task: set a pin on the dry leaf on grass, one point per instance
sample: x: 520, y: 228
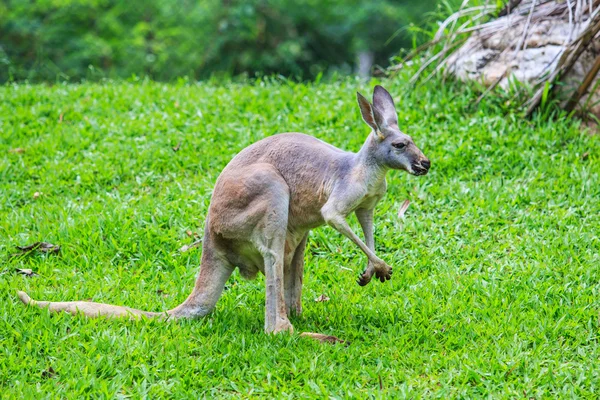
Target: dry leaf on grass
x: 18, y: 150
x: 39, y: 246
x: 191, y: 233
x: 49, y: 373
x: 176, y: 148
x: 26, y: 272
x: 44, y: 247
x: 322, y: 298
x: 324, y: 338
x: 403, y: 208
x: 185, y: 248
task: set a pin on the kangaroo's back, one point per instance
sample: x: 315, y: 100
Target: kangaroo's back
x: 289, y: 153
x: 309, y: 166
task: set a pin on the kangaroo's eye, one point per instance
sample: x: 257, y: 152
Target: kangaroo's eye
x: 399, y: 145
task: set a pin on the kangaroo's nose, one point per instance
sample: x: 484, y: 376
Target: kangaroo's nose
x: 426, y: 164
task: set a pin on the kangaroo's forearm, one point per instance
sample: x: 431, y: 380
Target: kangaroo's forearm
x: 365, y: 218
x: 341, y: 225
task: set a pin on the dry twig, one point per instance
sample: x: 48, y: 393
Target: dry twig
x: 587, y: 81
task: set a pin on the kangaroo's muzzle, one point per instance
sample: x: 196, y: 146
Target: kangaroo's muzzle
x: 421, y: 167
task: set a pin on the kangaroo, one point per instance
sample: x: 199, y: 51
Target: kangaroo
x: 266, y: 201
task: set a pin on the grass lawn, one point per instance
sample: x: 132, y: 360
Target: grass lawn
x: 496, y: 264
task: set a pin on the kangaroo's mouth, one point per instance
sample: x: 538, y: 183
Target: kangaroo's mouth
x: 420, y: 168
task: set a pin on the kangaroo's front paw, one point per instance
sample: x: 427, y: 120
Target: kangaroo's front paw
x: 383, y: 272
x: 384, y: 275
x: 365, y: 277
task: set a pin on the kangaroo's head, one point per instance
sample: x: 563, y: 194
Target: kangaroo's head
x: 390, y: 148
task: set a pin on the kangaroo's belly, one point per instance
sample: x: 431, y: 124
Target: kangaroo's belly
x: 247, y: 257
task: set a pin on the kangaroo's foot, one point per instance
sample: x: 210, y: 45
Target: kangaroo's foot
x: 281, y: 325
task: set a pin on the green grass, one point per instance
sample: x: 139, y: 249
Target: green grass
x: 497, y: 266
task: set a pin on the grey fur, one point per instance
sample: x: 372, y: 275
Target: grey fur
x: 266, y: 201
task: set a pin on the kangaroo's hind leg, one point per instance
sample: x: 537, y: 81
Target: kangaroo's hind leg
x: 214, y: 272
x: 294, y: 274
x: 250, y: 206
x: 269, y: 238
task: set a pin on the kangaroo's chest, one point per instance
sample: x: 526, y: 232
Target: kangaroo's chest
x: 372, y: 195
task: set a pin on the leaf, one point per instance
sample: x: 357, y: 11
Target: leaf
x: 176, y: 148
x: 18, y: 150
x: 324, y: 338
x: 185, y: 248
x: 26, y: 271
x: 191, y: 233
x: 44, y: 247
x: 403, y: 208
x: 545, y: 93
x: 322, y: 298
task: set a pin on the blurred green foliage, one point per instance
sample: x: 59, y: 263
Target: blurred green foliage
x: 162, y: 39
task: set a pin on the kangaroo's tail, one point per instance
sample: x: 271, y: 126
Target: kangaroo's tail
x: 89, y: 308
x: 214, y: 272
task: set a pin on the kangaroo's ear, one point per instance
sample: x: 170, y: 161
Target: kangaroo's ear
x: 366, y: 111
x: 384, y: 110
